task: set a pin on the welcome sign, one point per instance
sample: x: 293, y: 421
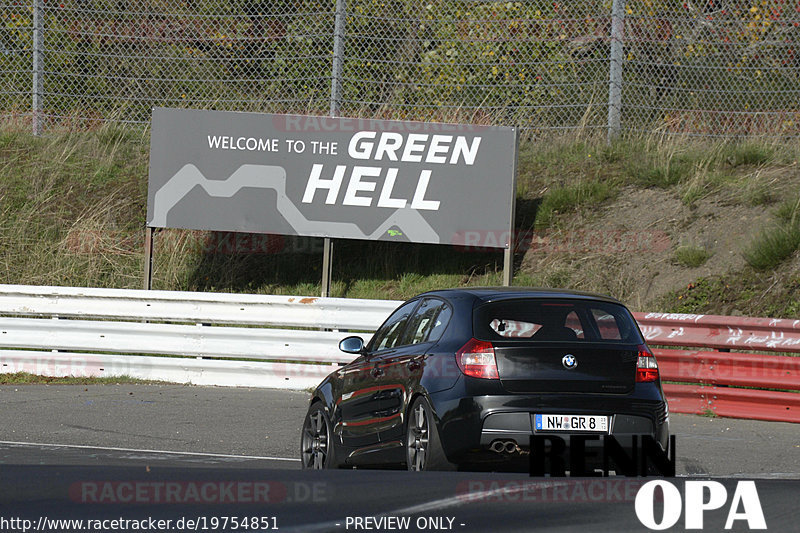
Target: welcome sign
x: 330, y: 177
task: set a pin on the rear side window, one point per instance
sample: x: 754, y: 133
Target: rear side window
x: 429, y: 322
x: 554, y: 320
x: 391, y: 333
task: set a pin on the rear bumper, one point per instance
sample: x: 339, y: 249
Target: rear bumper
x: 519, y: 426
x: 469, y: 424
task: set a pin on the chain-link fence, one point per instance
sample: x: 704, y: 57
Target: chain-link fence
x: 711, y: 67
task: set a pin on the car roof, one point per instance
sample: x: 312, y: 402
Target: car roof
x: 491, y: 294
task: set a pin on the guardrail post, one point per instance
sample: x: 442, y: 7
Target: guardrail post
x: 38, y: 66
x: 615, y: 69
x: 148, y: 258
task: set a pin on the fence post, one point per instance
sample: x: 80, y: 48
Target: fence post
x: 38, y: 66
x: 336, y: 97
x: 615, y: 69
x: 338, y: 57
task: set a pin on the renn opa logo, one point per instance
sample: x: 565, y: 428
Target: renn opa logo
x: 699, y: 497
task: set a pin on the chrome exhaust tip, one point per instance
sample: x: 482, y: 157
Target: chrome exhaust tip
x: 504, y: 446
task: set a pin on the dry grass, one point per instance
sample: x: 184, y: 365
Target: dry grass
x: 64, y: 196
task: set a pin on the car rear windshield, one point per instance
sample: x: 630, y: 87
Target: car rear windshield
x: 554, y: 320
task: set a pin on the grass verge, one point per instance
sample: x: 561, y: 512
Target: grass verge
x: 24, y: 378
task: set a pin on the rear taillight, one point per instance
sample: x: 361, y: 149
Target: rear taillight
x: 646, y: 366
x: 476, y: 359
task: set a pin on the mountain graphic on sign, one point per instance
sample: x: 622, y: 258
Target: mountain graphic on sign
x: 409, y: 221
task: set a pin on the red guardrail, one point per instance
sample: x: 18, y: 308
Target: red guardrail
x: 713, y: 378
x: 734, y: 403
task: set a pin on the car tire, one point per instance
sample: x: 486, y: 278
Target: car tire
x: 317, y: 451
x: 423, y: 446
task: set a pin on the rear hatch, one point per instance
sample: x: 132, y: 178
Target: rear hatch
x: 547, y: 367
x: 560, y: 345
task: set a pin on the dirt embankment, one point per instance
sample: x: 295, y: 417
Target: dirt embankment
x: 631, y: 247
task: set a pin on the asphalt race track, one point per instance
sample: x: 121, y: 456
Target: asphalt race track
x: 62, y: 446
x: 265, y: 424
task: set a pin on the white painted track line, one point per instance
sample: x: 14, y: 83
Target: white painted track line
x: 169, y: 452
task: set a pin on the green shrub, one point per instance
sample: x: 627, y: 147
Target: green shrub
x: 772, y: 246
x: 691, y: 256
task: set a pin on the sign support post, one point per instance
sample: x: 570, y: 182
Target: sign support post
x: 148, y: 257
x: 508, y: 263
x: 508, y: 253
x: 327, y: 266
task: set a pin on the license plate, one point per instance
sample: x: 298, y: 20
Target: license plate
x: 572, y: 423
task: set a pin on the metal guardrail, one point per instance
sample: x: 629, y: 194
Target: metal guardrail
x: 721, y: 332
x: 243, y: 309
x: 724, y: 382
x: 61, y: 331
x: 243, y: 340
x: 171, y: 339
x: 196, y: 371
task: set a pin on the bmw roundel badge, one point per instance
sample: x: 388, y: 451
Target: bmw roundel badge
x: 569, y: 361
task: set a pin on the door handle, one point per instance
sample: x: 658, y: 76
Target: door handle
x: 376, y: 372
x: 416, y: 362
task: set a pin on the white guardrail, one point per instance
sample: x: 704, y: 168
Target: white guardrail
x: 185, y: 337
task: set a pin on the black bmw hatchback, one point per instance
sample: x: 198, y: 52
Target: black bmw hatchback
x: 464, y: 377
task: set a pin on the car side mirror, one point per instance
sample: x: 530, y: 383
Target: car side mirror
x: 353, y: 345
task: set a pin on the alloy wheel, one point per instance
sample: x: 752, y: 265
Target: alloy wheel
x: 315, y: 440
x: 417, y: 439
